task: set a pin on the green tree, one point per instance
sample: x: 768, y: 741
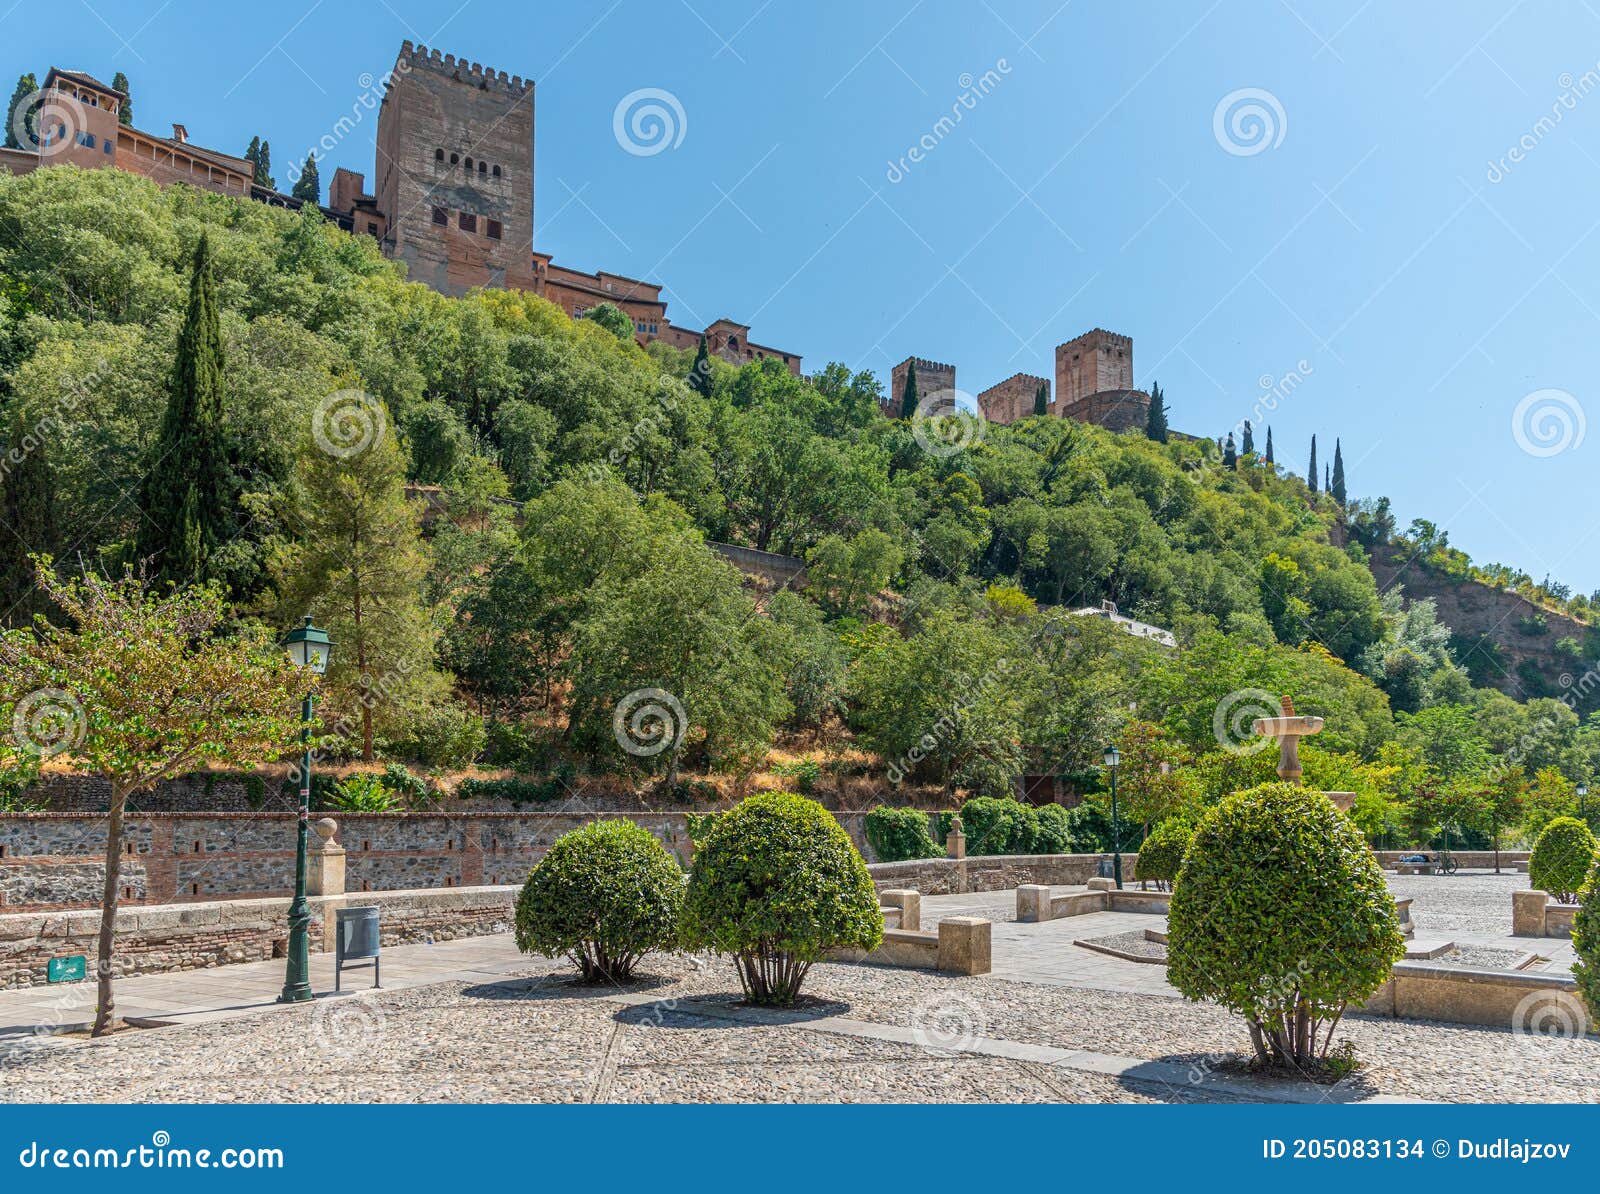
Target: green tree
x: 28, y: 514
x: 308, y: 187
x: 1041, y: 399
x: 26, y: 86
x: 1336, y: 486
x: 263, y: 163
x: 186, y: 498
x: 1155, y: 425
x: 613, y: 319
x: 850, y: 573
x: 125, y: 113
x: 1230, y: 455
x: 1311, y: 471
x: 253, y: 155
x: 1268, y: 457
x: 700, y: 379
x: 1248, y: 444
x: 908, y: 392
x: 138, y: 687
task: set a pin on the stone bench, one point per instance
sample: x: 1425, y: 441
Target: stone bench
x: 901, y: 909
x: 1035, y: 902
x: 1535, y: 914
x: 960, y: 945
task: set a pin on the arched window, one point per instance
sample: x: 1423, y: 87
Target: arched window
x: 455, y: 158
x: 482, y: 169
x: 733, y: 342
x: 497, y: 171
x: 469, y: 163
x: 438, y: 155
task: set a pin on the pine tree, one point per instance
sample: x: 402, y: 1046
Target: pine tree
x: 125, y: 113
x: 1327, y: 484
x: 186, y: 498
x: 1249, y: 443
x: 264, y: 168
x: 1311, y: 472
x: 1041, y: 399
x: 908, y: 395
x: 1155, y: 421
x: 28, y: 511
x: 1337, y: 486
x: 26, y: 86
x: 1230, y: 457
x: 308, y: 187
x: 700, y: 372
x: 1271, y: 463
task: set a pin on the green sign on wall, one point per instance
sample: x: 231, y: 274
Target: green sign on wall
x: 67, y: 970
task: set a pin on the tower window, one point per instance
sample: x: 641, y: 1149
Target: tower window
x: 467, y: 221
x: 469, y: 163
x: 492, y: 229
x: 497, y: 171
x: 482, y: 169
x: 438, y: 155
x: 455, y: 158
x: 440, y: 216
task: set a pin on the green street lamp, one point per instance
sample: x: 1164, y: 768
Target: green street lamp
x: 309, y: 648
x: 1113, y: 760
x: 1583, y: 803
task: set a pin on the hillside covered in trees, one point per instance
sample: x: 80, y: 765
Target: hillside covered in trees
x: 222, y: 392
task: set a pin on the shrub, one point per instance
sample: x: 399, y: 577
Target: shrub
x: 362, y: 792
x: 605, y: 895
x: 896, y: 834
x: 1052, y: 826
x: 518, y: 791
x: 997, y: 825
x: 1586, y: 942
x: 1280, y: 912
x: 1562, y: 859
x: 437, y: 735
x: 804, y: 772
x: 412, y: 789
x: 1162, y: 853
x: 776, y: 883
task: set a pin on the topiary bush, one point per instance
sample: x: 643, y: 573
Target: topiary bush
x: 1162, y: 853
x: 605, y: 895
x: 1562, y: 859
x: 1280, y: 912
x: 777, y: 883
x: 1052, y: 830
x: 1586, y: 942
x: 896, y: 834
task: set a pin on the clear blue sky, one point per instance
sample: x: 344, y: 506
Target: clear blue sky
x: 1426, y: 293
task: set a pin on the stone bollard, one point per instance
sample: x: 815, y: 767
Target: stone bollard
x: 1099, y: 884
x: 325, y: 861
x: 1527, y: 913
x: 910, y: 904
x: 1033, y: 903
x: 955, y: 842
x: 964, y: 945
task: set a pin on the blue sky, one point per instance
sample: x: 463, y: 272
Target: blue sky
x: 1378, y: 241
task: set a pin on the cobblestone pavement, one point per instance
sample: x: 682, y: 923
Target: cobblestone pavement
x: 1473, y: 902
x: 865, y: 1034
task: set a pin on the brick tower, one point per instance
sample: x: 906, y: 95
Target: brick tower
x: 455, y: 172
x: 932, y: 377
x: 1094, y: 381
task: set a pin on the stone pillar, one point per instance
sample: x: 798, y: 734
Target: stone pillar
x: 910, y: 904
x: 1033, y: 902
x: 1527, y: 913
x: 325, y: 861
x: 955, y: 842
x: 964, y: 945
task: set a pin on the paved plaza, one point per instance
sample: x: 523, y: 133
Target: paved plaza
x: 473, y: 1020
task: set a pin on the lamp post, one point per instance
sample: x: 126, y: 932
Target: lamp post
x: 309, y: 648
x: 1113, y: 760
x: 1583, y: 803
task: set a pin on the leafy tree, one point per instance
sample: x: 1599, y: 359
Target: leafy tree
x: 850, y: 573
x: 700, y: 379
x: 1563, y: 859
x: 1155, y: 425
x: 1311, y: 471
x: 1336, y: 485
x: 908, y: 393
x: 186, y: 497
x: 138, y: 687
x: 26, y: 86
x: 308, y: 187
x: 613, y: 319
x: 1153, y: 782
x: 125, y: 112
x: 1161, y: 853
x: 1041, y: 399
x: 28, y: 514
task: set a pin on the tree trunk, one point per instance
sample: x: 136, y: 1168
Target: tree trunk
x: 104, y: 1006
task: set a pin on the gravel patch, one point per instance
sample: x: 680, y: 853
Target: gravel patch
x: 1466, y: 902
x: 1135, y: 943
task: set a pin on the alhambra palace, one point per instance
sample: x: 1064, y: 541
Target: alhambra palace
x: 454, y: 200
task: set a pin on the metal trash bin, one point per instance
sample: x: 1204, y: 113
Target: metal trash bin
x: 358, y: 938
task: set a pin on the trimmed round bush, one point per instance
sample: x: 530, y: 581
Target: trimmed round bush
x: 1280, y: 913
x: 1562, y: 859
x: 1162, y: 853
x: 776, y: 884
x: 896, y: 834
x: 1586, y: 942
x: 605, y: 895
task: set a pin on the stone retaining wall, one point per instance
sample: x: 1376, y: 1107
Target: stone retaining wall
x: 1517, y: 1000
x: 1471, y: 859
x: 992, y: 872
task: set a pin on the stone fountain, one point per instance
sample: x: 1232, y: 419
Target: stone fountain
x: 1288, y: 729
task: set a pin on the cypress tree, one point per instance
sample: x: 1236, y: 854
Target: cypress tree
x: 1249, y: 444
x: 264, y: 168
x: 1155, y: 420
x: 308, y: 187
x: 1337, y: 486
x: 908, y: 395
x: 26, y: 86
x: 253, y: 155
x: 187, y: 490
x: 28, y: 509
x: 125, y: 113
x: 1041, y: 399
x: 1327, y: 485
x: 1230, y: 458
x: 1311, y: 472
x: 700, y: 372
x: 1270, y: 461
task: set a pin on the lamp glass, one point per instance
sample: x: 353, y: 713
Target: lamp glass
x: 1113, y: 756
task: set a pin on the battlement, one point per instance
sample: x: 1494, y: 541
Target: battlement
x: 925, y: 365
x: 460, y: 69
